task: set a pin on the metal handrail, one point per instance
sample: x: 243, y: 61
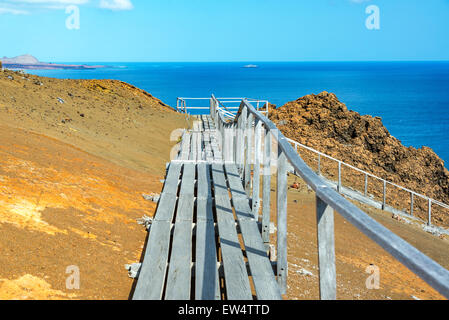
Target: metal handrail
x: 181, y: 104
x: 429, y: 200
x: 327, y: 200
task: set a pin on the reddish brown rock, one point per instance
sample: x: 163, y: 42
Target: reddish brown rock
x: 324, y: 123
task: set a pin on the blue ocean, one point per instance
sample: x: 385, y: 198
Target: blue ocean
x: 412, y: 98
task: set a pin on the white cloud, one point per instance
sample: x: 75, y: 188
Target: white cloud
x: 51, y: 1
x: 116, y: 4
x: 28, y: 6
x: 12, y: 11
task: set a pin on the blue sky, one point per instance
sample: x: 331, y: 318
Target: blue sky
x: 225, y: 30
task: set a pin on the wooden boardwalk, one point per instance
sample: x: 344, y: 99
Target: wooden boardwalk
x: 204, y: 243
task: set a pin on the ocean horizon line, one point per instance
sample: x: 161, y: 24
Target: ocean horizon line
x: 255, y: 61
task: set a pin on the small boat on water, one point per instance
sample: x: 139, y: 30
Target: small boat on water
x: 251, y: 66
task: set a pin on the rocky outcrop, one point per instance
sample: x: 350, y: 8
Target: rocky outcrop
x: 323, y: 122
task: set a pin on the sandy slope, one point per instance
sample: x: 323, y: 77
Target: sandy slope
x: 354, y: 254
x: 106, y: 118
x: 71, y: 191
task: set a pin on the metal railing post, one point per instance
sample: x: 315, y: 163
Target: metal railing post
x: 281, y: 195
x: 266, y: 187
x: 256, y: 171
x: 326, y: 250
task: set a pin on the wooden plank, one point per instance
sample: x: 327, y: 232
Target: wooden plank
x: 185, y: 146
x: 204, y: 183
x: 166, y: 207
x: 193, y: 146
x: 179, y: 270
x: 215, y: 147
x: 261, y: 271
x: 236, y: 276
x: 199, y: 147
x: 209, y: 156
x: 207, y: 285
x: 235, y: 183
x: 151, y: 279
x: 239, y: 197
x: 219, y: 181
x: 172, y: 178
x: 326, y: 250
x: 167, y: 202
x: 188, y: 180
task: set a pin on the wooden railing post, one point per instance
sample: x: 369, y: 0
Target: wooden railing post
x: 326, y: 250
x: 234, y: 141
x: 249, y: 152
x: 281, y: 207
x: 411, y: 203
x: 228, y: 146
x: 266, y: 187
x: 384, y: 198
x: 242, y: 139
x: 429, y: 212
x: 256, y: 174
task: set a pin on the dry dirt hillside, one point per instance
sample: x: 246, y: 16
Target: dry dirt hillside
x: 107, y: 118
x: 324, y: 123
x: 75, y: 158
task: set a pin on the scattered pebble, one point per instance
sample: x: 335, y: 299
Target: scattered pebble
x: 152, y: 197
x: 431, y: 229
x: 60, y: 100
x: 304, y: 272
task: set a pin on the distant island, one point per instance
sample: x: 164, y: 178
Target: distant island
x: 29, y: 62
